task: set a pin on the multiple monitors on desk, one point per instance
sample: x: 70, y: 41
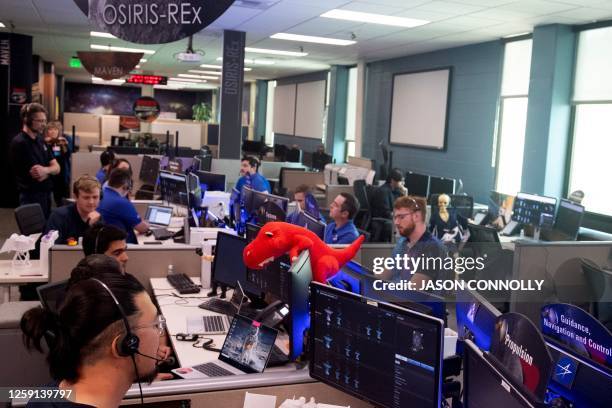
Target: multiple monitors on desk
x: 174, y: 188
x: 423, y: 185
x: 537, y: 211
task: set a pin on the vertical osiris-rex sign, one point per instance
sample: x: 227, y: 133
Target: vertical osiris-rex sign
x: 152, y: 22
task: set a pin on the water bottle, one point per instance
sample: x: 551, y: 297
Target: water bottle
x: 170, y: 269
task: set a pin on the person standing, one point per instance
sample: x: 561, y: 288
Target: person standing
x: 61, y: 151
x: 32, y: 160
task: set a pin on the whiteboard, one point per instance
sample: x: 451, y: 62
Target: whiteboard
x: 284, y: 109
x: 310, y: 108
x: 419, y: 109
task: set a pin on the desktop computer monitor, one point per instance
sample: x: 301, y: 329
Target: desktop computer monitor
x: 441, y: 185
x: 310, y: 223
x: 349, y: 277
x: 354, y: 340
x: 264, y: 207
x: 149, y: 170
x: 578, y: 380
x: 569, y: 219
x: 537, y: 211
x: 228, y: 266
x: 174, y: 188
x: 417, y: 184
x: 476, y: 318
x: 212, y: 181
x: 484, y: 385
x: 202, y: 162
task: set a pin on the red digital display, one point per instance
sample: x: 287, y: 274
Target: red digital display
x: 147, y: 79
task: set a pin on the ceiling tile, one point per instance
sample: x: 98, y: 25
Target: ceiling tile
x: 449, y: 7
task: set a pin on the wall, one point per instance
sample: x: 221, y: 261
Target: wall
x: 474, y: 95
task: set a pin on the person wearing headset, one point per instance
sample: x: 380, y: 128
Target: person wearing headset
x: 106, y: 240
x: 72, y: 220
x: 118, y: 211
x: 249, y: 176
x: 107, y: 158
x: 32, y: 160
x: 104, y: 337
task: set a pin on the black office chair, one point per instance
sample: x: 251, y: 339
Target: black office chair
x: 366, y: 234
x: 463, y: 204
x: 319, y: 160
x: 362, y: 218
x: 30, y: 219
x: 294, y: 156
x: 280, y: 152
x: 600, y: 284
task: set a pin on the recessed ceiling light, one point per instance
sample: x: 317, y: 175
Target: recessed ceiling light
x: 211, y: 66
x: 516, y: 35
x: 196, y: 71
x: 101, y: 34
x: 186, y: 80
x: 312, y: 39
x: 121, y: 49
x: 275, y: 52
x: 374, y: 18
x: 254, y: 61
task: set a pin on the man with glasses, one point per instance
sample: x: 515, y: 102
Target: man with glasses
x: 32, y: 160
x: 409, y: 213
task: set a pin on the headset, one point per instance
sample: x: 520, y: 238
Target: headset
x: 97, y: 251
x: 25, y: 114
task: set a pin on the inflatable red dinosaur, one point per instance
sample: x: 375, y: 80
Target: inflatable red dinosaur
x: 278, y: 238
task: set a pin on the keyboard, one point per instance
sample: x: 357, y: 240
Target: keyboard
x: 277, y: 357
x: 215, y: 324
x: 219, y: 306
x: 183, y: 284
x: 162, y: 234
x: 212, y: 370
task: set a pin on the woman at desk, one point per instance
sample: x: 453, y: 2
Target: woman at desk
x: 445, y: 224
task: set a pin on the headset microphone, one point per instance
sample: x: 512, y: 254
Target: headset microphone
x: 169, y: 360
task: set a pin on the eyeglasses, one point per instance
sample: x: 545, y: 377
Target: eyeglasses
x: 159, y: 324
x: 39, y: 120
x: 397, y: 217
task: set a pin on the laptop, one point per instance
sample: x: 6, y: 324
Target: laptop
x: 159, y: 217
x: 217, y: 324
x: 51, y: 295
x: 246, y: 350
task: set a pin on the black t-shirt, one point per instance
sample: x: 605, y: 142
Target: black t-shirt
x: 382, y: 201
x: 67, y: 221
x: 26, y: 152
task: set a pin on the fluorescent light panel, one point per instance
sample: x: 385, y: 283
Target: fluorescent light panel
x: 312, y: 39
x: 516, y: 35
x: 196, y: 71
x: 101, y: 34
x: 143, y: 60
x: 197, y: 76
x: 120, y: 49
x: 374, y: 18
x: 219, y: 66
x: 185, y: 80
x: 2, y: 25
x: 114, y: 81
x: 254, y: 61
x: 275, y: 52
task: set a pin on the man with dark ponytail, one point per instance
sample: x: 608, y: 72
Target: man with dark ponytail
x: 104, y: 338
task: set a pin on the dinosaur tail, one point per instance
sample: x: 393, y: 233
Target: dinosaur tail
x: 346, y: 254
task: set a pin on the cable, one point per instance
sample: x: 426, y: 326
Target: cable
x: 138, y: 380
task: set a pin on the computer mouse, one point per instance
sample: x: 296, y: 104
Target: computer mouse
x: 149, y: 233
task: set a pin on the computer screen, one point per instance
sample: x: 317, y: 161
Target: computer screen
x: 204, y: 162
x: 349, y: 277
x: 264, y: 207
x: 475, y: 318
x: 248, y: 345
x: 52, y: 295
x: 228, y: 266
x: 159, y: 215
x: 353, y: 341
x: 149, y: 170
x: 417, y: 184
x: 311, y: 224
x: 441, y: 185
x: 174, y: 188
x: 212, y: 181
x: 569, y: 218
x: 537, y: 211
x: 485, y: 386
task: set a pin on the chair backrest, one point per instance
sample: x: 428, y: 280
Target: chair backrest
x: 30, y: 219
x: 294, y: 155
x: 366, y: 234
x: 463, y: 204
x: 595, y: 277
x: 361, y: 194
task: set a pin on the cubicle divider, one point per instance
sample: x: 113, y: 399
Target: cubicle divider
x: 558, y: 264
x: 293, y: 178
x: 144, y: 262
x: 271, y: 169
x: 332, y: 190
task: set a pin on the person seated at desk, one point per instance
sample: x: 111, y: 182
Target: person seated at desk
x: 250, y: 177
x: 445, y: 224
x: 299, y: 196
x: 107, y: 158
x: 72, y: 221
x: 89, y: 351
x: 120, y: 164
x: 118, y: 211
x: 342, y: 210
x: 106, y: 240
x: 385, y: 195
x: 415, y: 242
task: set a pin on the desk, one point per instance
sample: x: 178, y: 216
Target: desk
x: 10, y: 275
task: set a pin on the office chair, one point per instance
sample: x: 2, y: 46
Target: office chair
x: 30, y: 219
x: 600, y: 283
x: 362, y: 218
x: 366, y: 234
x: 280, y: 151
x: 319, y: 160
x: 294, y: 156
x: 463, y: 205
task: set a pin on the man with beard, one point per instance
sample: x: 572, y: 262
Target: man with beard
x: 416, y: 242
x: 91, y: 352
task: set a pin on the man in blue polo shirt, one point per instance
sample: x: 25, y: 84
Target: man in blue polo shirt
x: 250, y: 177
x: 118, y: 211
x: 342, y: 210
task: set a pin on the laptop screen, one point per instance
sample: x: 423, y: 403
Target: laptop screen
x: 51, y: 295
x: 248, y: 345
x: 159, y: 215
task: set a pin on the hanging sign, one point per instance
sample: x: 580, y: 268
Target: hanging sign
x: 146, y: 109
x: 109, y: 64
x: 152, y: 22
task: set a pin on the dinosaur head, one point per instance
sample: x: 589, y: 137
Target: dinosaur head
x: 272, y: 241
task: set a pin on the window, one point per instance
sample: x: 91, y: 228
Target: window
x: 269, y: 139
x: 513, y: 116
x: 592, y: 143
x: 351, y: 112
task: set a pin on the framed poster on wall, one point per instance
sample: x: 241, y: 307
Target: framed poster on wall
x: 419, y: 108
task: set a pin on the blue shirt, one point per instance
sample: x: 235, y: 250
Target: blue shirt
x: 101, y: 175
x: 427, y: 246
x: 255, y: 181
x: 343, y: 235
x: 118, y: 211
x: 292, y: 217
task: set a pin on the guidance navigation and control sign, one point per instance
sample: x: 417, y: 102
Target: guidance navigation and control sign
x: 152, y: 22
